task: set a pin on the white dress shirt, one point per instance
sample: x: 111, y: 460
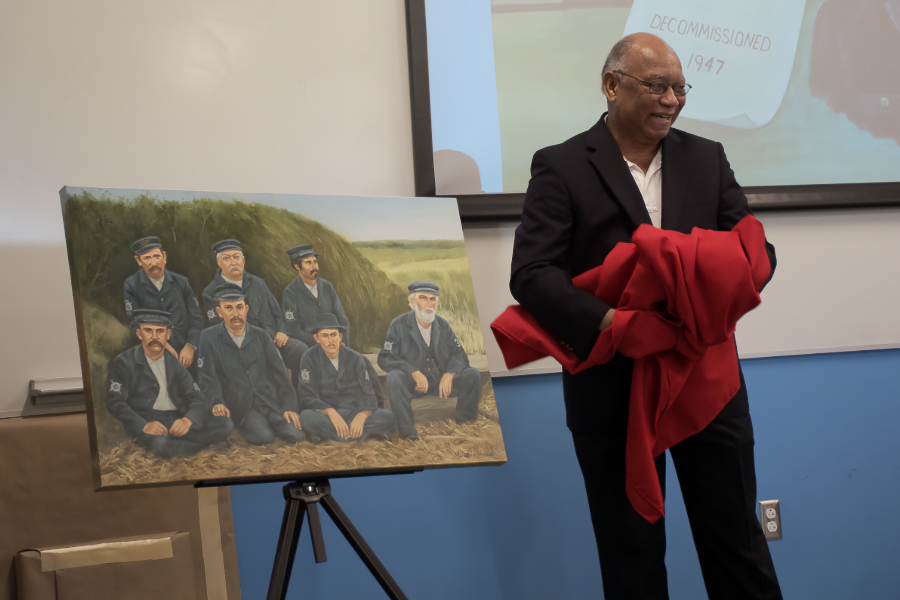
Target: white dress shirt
x: 650, y: 185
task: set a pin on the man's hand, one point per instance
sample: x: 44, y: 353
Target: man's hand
x: 421, y: 381
x: 172, y: 350
x: 446, y: 384
x: 155, y: 428
x: 220, y: 410
x: 181, y: 426
x: 187, y: 355
x: 607, y: 319
x: 281, y: 339
x: 340, y: 425
x: 292, y: 418
x: 356, y: 426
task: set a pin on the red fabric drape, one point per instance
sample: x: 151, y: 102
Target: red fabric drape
x: 678, y: 298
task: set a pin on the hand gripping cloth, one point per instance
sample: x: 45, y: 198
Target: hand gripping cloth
x: 678, y: 298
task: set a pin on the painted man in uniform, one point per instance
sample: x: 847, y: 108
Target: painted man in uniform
x: 422, y: 355
x: 307, y: 297
x: 155, y: 287
x: 264, y: 311
x: 242, y: 375
x: 154, y: 396
x: 336, y: 390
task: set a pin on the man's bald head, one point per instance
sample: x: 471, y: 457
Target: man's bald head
x: 640, y: 44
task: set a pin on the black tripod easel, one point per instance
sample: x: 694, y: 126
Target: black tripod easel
x: 303, y: 498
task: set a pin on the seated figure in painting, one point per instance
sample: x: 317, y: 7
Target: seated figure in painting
x: 242, y: 374
x: 422, y: 355
x: 336, y: 390
x: 154, y: 396
x: 264, y: 311
x: 153, y: 286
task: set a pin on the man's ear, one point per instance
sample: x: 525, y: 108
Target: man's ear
x: 219, y: 312
x: 610, y: 86
x: 137, y: 259
x: 168, y: 334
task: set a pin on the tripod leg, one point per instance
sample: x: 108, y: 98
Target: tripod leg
x: 287, y: 548
x: 362, y: 548
x: 315, y: 531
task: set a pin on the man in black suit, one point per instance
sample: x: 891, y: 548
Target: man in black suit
x: 586, y: 195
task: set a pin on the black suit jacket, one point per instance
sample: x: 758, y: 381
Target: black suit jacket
x: 582, y: 201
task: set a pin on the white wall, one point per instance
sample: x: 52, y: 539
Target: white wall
x: 299, y: 97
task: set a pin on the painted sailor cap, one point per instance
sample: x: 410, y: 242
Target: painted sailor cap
x: 326, y: 321
x: 302, y: 251
x: 228, y: 292
x: 151, y: 316
x: 146, y: 244
x: 223, y: 245
x: 423, y: 286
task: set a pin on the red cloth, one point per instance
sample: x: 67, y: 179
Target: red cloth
x: 678, y: 298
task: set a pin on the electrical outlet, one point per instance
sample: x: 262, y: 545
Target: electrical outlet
x: 770, y: 519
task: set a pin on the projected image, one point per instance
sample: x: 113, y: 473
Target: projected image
x: 799, y: 92
x: 230, y: 336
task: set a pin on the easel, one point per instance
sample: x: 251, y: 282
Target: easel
x: 303, y: 498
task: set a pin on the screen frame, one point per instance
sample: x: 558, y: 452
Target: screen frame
x: 508, y: 206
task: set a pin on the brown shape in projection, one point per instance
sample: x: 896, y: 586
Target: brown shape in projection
x: 855, y: 63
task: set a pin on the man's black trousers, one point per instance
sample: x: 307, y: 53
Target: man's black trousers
x: 717, y: 476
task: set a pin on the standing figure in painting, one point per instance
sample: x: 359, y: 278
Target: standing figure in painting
x: 264, y: 311
x: 336, y: 390
x: 156, y: 288
x: 307, y: 297
x: 242, y: 375
x: 154, y: 396
x: 422, y: 355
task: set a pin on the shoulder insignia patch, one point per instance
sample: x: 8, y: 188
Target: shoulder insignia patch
x: 196, y: 387
x: 388, y: 346
x: 456, y: 339
x: 211, y: 314
x: 288, y: 315
x: 304, y: 375
x: 367, y: 376
x: 128, y: 305
x: 115, y: 386
x: 199, y: 364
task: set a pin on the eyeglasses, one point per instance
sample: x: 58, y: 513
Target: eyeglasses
x: 659, y: 88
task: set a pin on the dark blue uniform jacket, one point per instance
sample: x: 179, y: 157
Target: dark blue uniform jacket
x: 264, y: 310
x: 405, y: 350
x: 176, y: 297
x: 132, y: 388
x: 322, y: 386
x: 240, y: 378
x: 301, y: 309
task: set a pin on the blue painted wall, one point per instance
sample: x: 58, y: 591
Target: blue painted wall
x: 827, y: 447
